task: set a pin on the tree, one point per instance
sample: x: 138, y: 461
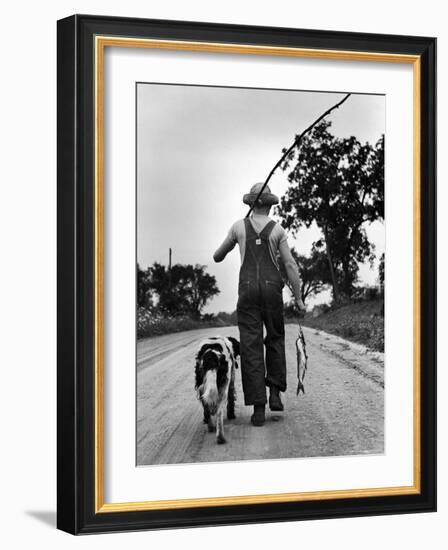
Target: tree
x: 381, y: 272
x: 338, y: 183
x: 314, y: 272
x: 185, y: 289
x: 203, y: 287
x: 144, y: 295
x: 166, y: 285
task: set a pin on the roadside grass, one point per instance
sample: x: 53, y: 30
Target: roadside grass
x: 361, y: 322
x: 152, y: 323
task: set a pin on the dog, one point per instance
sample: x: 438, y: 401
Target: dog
x: 216, y: 361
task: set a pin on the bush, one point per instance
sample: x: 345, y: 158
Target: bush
x: 227, y: 318
x: 290, y: 311
x: 361, y: 322
x: 366, y: 293
x: 153, y: 322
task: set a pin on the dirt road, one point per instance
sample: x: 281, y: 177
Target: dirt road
x: 342, y: 412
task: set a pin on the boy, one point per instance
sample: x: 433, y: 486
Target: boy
x: 260, y: 301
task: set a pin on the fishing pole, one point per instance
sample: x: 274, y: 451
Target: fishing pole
x: 302, y: 358
x: 295, y: 144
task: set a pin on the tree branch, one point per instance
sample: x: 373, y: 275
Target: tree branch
x: 295, y: 144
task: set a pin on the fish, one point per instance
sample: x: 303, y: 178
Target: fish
x: 302, y: 361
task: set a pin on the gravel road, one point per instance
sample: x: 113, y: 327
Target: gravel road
x: 342, y: 412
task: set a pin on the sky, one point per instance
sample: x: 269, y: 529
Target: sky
x: 200, y: 148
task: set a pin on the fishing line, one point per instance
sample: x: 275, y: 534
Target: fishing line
x: 295, y: 144
x: 302, y: 358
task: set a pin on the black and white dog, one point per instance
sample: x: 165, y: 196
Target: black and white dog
x: 216, y: 362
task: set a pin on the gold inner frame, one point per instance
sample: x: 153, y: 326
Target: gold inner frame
x: 101, y: 42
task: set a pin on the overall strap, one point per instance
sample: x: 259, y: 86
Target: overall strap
x: 267, y: 229
x: 250, y: 231
x: 264, y: 233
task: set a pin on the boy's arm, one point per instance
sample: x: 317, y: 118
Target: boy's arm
x: 227, y: 245
x: 292, y: 271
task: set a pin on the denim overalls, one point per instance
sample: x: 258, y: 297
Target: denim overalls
x: 260, y: 303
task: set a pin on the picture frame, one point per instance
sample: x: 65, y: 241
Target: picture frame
x: 82, y: 41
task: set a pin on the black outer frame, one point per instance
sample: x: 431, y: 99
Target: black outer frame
x: 75, y: 172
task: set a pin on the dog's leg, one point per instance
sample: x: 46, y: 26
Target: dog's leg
x: 206, y: 413
x: 211, y: 426
x: 231, y: 399
x: 220, y: 425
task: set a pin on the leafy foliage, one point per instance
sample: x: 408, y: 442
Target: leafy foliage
x: 338, y: 183
x: 381, y: 272
x: 144, y: 293
x: 361, y: 322
x: 181, y: 290
x: 314, y: 272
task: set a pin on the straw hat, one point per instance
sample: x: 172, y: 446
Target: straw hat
x: 266, y: 198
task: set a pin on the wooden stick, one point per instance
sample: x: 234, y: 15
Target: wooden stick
x: 295, y: 144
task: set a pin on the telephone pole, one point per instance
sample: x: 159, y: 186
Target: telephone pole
x: 169, y: 268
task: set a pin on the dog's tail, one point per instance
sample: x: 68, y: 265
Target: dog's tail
x: 210, y: 389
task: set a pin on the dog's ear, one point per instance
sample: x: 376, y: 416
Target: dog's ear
x: 222, y: 362
x: 235, y: 346
x: 199, y: 366
x: 201, y: 352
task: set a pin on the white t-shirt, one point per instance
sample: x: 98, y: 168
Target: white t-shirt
x: 237, y: 234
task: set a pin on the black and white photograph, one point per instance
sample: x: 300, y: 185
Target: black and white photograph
x: 260, y: 273
x: 222, y: 282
